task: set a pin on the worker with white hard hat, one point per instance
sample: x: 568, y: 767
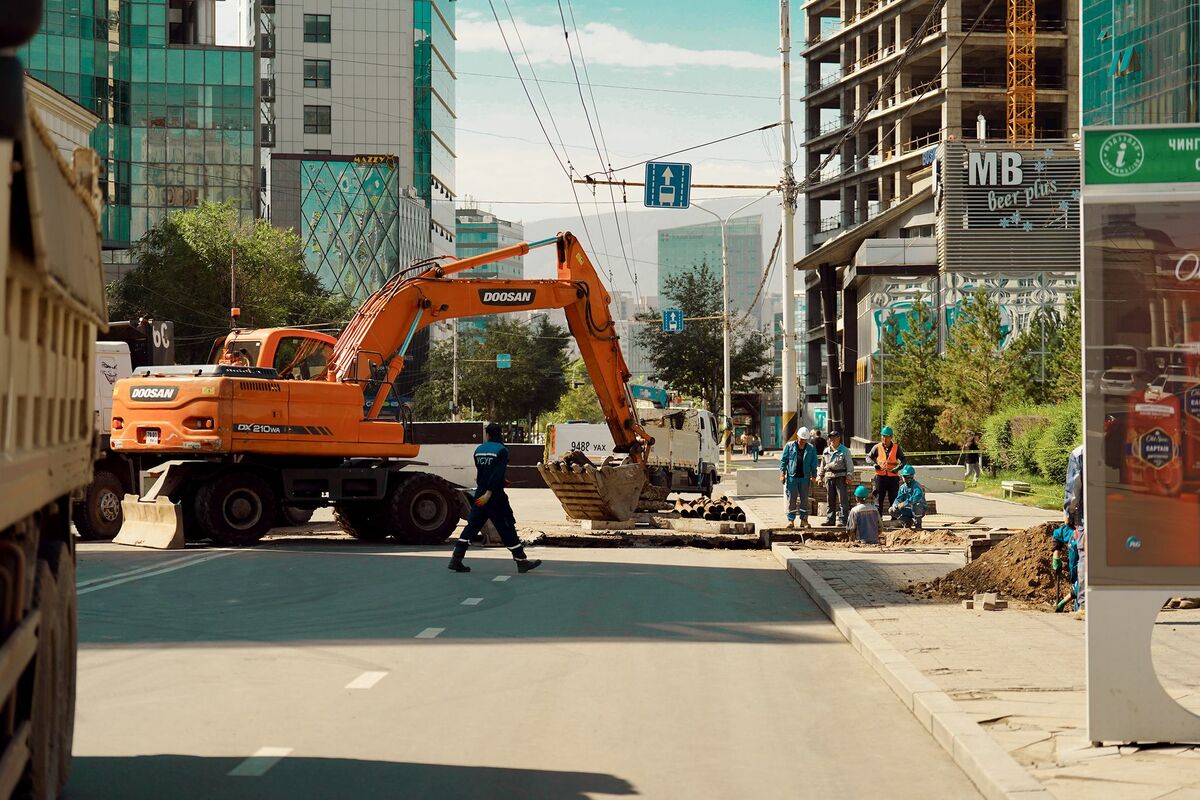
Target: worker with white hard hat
x: 797, y: 468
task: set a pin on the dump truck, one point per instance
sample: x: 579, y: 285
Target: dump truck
x: 685, y: 453
x: 241, y: 438
x: 52, y: 301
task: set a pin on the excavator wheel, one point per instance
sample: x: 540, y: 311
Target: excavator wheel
x: 235, y: 509
x: 424, y: 509
x: 99, y: 516
x: 361, y: 520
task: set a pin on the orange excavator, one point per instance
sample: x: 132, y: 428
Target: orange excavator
x: 244, y: 439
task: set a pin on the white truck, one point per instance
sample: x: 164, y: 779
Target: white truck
x: 684, y: 455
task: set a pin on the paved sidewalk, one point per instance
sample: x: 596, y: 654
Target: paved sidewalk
x: 1020, y: 674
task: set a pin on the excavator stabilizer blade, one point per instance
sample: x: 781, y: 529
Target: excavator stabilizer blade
x: 590, y: 492
x: 157, y: 523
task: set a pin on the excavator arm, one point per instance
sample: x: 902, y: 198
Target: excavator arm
x: 372, y: 348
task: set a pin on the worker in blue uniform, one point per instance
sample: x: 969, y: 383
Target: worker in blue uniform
x: 490, y: 502
x: 910, y: 505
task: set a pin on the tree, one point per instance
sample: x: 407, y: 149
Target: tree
x: 531, y: 387
x: 1068, y: 362
x: 1033, y: 356
x: 690, y: 362
x: 182, y: 274
x: 908, y: 355
x: 975, y: 374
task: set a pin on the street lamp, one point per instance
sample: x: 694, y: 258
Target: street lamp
x: 727, y: 411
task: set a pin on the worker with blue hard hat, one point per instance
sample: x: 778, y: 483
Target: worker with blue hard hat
x: 909, y: 506
x: 864, y: 520
x: 887, y: 458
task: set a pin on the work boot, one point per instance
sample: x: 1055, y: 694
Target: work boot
x: 791, y: 525
x: 456, y: 563
x: 828, y: 523
x: 526, y: 564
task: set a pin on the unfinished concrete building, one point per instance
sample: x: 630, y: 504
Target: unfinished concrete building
x: 933, y: 78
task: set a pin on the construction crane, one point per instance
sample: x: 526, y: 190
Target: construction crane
x: 1021, y: 95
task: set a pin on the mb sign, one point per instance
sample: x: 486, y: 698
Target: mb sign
x: 668, y: 185
x: 672, y: 320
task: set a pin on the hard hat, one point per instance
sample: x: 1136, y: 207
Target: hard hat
x: 907, y: 471
x: 835, y: 434
x: 887, y: 431
x: 803, y: 433
x: 861, y: 492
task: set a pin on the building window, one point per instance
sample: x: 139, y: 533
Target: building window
x: 316, y: 73
x: 316, y: 27
x: 316, y: 119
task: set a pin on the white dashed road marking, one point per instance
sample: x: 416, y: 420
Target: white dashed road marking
x: 472, y: 601
x: 257, y: 765
x: 366, y: 680
x: 501, y: 578
x: 429, y: 633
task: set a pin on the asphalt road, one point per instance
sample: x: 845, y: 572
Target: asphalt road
x: 334, y: 670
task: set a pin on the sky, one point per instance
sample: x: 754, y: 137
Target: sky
x: 692, y: 71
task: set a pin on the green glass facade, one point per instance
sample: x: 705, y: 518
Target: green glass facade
x: 177, y: 122
x: 479, y: 232
x: 433, y: 116
x: 1141, y: 62
x: 682, y: 249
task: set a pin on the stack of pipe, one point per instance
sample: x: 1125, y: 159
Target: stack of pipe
x: 703, y: 508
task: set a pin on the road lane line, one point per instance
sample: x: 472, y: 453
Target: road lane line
x: 501, y: 578
x: 366, y: 680
x: 429, y: 633
x: 127, y: 573
x: 257, y: 765
x: 189, y: 563
x: 472, y: 601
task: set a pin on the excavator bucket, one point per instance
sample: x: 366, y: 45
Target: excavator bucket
x: 590, y: 492
x: 157, y: 523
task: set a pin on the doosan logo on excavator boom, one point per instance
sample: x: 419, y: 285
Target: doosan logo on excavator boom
x: 496, y: 297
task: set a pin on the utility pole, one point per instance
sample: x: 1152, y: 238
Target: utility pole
x: 790, y: 389
x: 454, y: 373
x: 234, y: 311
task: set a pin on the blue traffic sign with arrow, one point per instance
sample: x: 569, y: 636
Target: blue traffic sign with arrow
x: 672, y: 320
x: 668, y: 184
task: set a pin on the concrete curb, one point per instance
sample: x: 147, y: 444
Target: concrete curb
x: 989, y: 766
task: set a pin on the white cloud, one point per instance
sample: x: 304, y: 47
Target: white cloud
x: 602, y: 43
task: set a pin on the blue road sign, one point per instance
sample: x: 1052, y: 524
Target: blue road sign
x: 672, y: 320
x: 668, y: 184
x: 503, y: 360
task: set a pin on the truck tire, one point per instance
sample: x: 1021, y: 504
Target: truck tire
x: 62, y: 562
x: 99, y: 515
x: 706, y: 485
x: 422, y: 510
x: 235, y: 509
x: 291, y: 516
x: 52, y: 728
x: 360, y: 520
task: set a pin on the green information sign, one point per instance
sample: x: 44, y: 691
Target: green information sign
x: 1141, y: 155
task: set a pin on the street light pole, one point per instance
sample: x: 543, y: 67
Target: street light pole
x: 727, y: 324
x: 790, y: 389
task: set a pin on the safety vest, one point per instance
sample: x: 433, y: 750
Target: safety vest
x: 888, y: 462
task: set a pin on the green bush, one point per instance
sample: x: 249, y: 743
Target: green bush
x: 998, y: 438
x: 1058, y: 439
x: 913, y: 421
x: 1024, y: 452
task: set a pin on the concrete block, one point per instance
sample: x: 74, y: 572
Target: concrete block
x: 759, y: 482
x: 998, y: 605
x: 987, y: 597
x: 969, y: 605
x: 607, y: 525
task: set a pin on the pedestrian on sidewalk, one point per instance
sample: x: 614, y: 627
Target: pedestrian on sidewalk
x: 909, y: 506
x: 864, y: 520
x: 490, y: 502
x: 887, y: 458
x: 818, y: 441
x: 755, y: 447
x: 836, y: 465
x: 797, y: 468
x: 972, y: 459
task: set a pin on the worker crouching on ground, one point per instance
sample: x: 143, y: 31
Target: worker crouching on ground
x: 797, y: 468
x: 490, y: 502
x: 864, y: 520
x: 887, y: 458
x: 836, y: 465
x: 1071, y: 537
x: 909, y: 506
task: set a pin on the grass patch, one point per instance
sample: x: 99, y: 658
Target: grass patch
x: 1045, y: 494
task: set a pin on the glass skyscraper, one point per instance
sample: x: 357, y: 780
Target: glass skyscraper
x: 1141, y: 62
x: 433, y: 117
x: 681, y: 249
x: 177, y: 113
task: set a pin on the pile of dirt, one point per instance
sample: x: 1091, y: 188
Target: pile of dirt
x: 906, y: 537
x: 1018, y: 568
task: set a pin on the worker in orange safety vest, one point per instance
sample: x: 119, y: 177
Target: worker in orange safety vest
x: 887, y: 458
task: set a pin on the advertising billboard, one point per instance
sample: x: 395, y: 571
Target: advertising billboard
x: 1141, y: 363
